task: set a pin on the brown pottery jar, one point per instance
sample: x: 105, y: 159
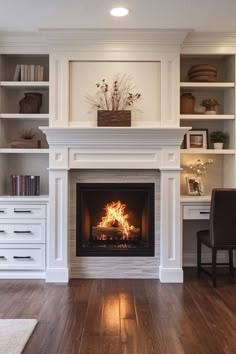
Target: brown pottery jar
x: 187, y: 102
x: 31, y: 103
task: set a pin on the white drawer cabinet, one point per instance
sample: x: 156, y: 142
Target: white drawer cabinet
x: 20, y: 211
x: 23, y: 228
x: 22, y: 257
x: 196, y: 212
x: 12, y: 231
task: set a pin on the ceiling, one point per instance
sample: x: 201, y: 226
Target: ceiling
x: 199, y: 15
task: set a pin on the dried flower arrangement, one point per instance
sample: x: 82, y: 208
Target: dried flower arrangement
x: 114, y: 97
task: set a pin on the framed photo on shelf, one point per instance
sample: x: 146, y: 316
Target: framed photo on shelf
x: 197, y: 139
x: 194, y: 185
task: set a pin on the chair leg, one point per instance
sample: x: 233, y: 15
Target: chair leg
x: 231, y: 264
x: 199, y: 256
x: 214, y: 255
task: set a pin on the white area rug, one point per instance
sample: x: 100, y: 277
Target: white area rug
x: 14, y: 335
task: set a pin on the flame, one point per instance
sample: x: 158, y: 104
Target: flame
x: 115, y: 217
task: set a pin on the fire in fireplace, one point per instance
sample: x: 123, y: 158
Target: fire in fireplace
x: 115, y: 219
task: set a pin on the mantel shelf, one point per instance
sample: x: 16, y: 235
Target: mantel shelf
x: 23, y: 151
x: 208, y: 151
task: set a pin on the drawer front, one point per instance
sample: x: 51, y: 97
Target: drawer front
x: 19, y: 211
x: 198, y: 212
x: 15, y: 257
x: 22, y: 231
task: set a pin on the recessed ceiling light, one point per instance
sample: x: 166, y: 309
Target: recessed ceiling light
x: 119, y: 11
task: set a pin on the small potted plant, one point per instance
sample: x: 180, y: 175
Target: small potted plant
x: 27, y: 140
x: 218, y: 138
x: 210, y: 105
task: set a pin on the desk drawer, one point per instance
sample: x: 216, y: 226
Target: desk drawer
x: 22, y: 231
x: 20, y: 211
x: 22, y: 257
x: 197, y: 212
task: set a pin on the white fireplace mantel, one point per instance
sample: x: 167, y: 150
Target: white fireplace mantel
x: 115, y: 148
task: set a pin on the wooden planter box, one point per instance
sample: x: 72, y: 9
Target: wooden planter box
x: 113, y: 118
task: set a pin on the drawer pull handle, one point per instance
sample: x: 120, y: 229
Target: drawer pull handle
x: 21, y: 232
x: 22, y: 257
x: 205, y: 212
x: 22, y: 211
x: 2, y: 211
x: 2, y: 257
x: 2, y: 231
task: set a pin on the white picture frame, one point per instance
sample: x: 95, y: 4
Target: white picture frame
x: 194, y: 185
x: 197, y: 139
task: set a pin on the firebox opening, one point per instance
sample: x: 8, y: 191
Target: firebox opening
x: 115, y: 219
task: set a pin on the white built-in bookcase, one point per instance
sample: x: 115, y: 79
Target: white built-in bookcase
x: 222, y: 172
x: 22, y: 161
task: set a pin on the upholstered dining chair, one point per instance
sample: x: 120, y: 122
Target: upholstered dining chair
x: 222, y: 232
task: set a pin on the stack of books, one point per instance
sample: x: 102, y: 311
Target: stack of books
x: 28, y: 72
x: 25, y: 185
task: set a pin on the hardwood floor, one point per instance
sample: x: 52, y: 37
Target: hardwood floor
x: 125, y: 316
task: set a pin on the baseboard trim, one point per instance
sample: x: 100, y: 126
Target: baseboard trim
x: 171, y: 275
x: 55, y: 275
x: 22, y: 275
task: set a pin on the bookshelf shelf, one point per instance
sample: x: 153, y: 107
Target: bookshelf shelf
x: 207, y: 85
x: 27, y: 84
x: 23, y: 151
x: 208, y: 151
x: 28, y: 199
x: 207, y: 116
x: 38, y: 116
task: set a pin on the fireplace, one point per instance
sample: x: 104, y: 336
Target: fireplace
x: 115, y: 219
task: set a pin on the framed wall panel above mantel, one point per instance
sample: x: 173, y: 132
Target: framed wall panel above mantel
x: 143, y: 77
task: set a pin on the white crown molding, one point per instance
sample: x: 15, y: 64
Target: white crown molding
x: 73, y: 39
x: 206, y: 41
x: 22, y: 42
x: 112, y: 138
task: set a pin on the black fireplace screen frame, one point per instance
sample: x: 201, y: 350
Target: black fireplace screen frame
x: 148, y: 188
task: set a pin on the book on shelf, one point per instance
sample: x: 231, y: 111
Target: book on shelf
x: 28, y: 72
x: 25, y: 185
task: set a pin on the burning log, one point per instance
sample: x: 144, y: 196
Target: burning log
x: 113, y: 233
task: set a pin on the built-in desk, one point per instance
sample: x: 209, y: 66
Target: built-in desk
x: 195, y: 207
x: 195, y: 213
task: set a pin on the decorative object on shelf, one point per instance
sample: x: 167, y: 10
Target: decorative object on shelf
x: 197, y: 139
x: 200, y: 167
x: 187, y: 102
x: 203, y: 73
x: 114, y: 102
x: 25, y: 185
x: 194, y: 185
x: 218, y: 138
x: 26, y: 141
x: 28, y: 72
x: 210, y: 105
x: 31, y: 103
x: 114, y: 118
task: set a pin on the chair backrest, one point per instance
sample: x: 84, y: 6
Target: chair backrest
x: 223, y: 217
